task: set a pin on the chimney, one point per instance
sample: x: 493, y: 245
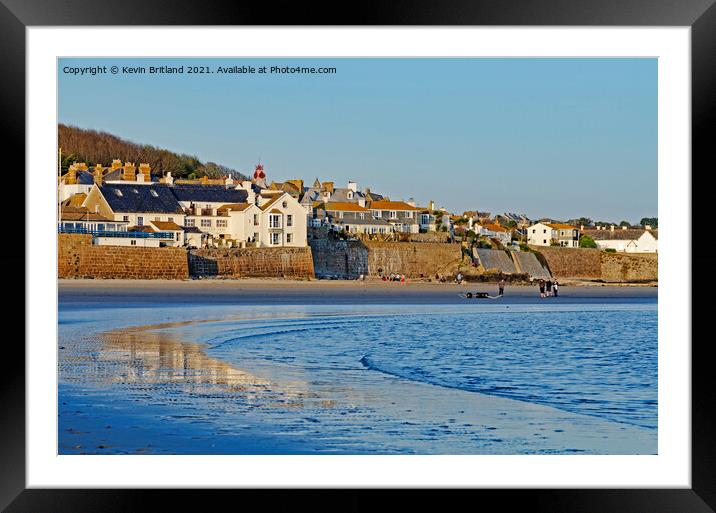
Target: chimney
x: 611, y: 228
x: 98, y: 174
x: 129, y: 172
x: 352, y: 185
x: 228, y: 180
x: 168, y: 178
x: 116, y: 164
x: 431, y: 205
x: 581, y: 228
x: 647, y: 227
x: 145, y: 172
x: 624, y: 227
x: 71, y: 176
x: 411, y: 202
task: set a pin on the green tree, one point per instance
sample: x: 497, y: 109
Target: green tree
x: 651, y: 221
x: 625, y: 223
x: 587, y: 242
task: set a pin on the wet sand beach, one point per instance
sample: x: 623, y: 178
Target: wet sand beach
x: 318, y: 291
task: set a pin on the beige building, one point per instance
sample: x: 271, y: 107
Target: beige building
x: 557, y: 234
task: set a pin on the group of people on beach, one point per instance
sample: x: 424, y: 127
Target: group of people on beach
x: 548, y: 288
x: 395, y: 277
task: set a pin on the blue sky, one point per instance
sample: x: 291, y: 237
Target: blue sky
x: 558, y: 138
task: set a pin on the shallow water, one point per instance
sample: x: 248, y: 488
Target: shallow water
x: 378, y: 379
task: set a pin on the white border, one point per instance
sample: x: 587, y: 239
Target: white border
x: 671, y: 468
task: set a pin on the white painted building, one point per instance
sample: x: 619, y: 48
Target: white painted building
x: 544, y: 234
x: 625, y: 240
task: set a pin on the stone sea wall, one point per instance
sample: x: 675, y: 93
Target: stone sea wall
x: 593, y: 264
x: 78, y: 258
x: 349, y: 259
x: 252, y: 262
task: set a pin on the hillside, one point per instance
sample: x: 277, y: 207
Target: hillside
x: 93, y: 147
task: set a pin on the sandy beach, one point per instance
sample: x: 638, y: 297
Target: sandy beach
x: 264, y: 291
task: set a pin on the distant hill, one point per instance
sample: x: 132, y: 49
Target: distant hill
x: 93, y: 147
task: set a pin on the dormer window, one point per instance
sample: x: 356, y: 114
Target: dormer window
x: 284, y: 204
x: 350, y: 195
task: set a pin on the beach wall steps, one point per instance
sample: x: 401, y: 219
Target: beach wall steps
x: 529, y: 264
x: 495, y: 259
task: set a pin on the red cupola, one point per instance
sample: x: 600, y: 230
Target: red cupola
x: 259, y: 172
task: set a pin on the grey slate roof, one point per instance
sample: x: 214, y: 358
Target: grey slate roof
x: 210, y: 193
x: 618, y: 234
x: 140, y: 198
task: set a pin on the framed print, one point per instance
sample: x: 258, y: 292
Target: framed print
x: 420, y: 252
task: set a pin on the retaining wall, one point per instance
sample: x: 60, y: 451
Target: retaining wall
x: 252, y: 262
x: 78, y: 258
x: 349, y: 259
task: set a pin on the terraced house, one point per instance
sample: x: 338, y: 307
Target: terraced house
x: 402, y: 216
x: 200, y: 214
x: 350, y: 217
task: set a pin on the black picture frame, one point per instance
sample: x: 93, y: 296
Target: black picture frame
x: 700, y: 15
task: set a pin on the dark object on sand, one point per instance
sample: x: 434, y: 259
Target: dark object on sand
x: 477, y: 295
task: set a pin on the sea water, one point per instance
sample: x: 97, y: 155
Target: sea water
x: 382, y: 378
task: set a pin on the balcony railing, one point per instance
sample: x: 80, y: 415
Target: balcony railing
x: 125, y: 235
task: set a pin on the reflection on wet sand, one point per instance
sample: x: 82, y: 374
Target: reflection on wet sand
x: 147, y: 355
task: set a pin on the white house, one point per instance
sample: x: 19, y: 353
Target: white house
x: 494, y: 231
x: 544, y: 234
x: 282, y: 220
x: 625, y: 240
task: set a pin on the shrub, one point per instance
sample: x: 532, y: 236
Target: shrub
x: 610, y: 250
x: 587, y: 242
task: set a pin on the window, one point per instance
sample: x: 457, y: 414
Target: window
x: 284, y: 204
x: 221, y: 223
x: 256, y: 219
x: 391, y: 214
x: 189, y: 222
x: 275, y: 238
x: 153, y: 193
x: 408, y: 214
x: 289, y: 238
x: 177, y: 236
x: 275, y: 221
x: 118, y: 193
x: 140, y: 221
x: 206, y: 222
x: 157, y: 218
x: 289, y: 220
x: 125, y: 218
x: 133, y: 242
x: 544, y: 231
x: 170, y: 219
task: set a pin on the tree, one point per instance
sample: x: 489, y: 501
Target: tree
x: 625, y: 223
x: 587, y: 242
x: 651, y: 221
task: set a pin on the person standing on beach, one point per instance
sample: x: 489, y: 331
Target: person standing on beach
x: 541, y: 288
x: 549, y: 287
x: 554, y: 288
x: 501, y: 287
